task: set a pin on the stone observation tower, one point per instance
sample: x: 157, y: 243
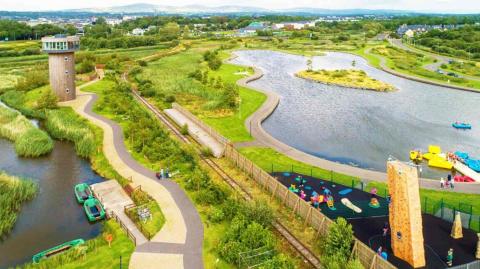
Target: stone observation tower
x: 61, y: 64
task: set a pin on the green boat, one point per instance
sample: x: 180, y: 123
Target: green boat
x: 94, y: 209
x: 83, y: 192
x: 57, y: 250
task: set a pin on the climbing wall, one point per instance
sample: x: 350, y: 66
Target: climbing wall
x: 405, y: 213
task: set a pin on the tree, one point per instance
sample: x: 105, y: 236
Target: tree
x: 170, y: 31
x: 339, y: 239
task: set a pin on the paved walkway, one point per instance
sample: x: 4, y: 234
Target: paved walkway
x: 115, y: 199
x: 196, y: 132
x: 262, y: 137
x: 183, y: 225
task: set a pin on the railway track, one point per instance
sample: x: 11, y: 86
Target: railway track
x: 307, y: 254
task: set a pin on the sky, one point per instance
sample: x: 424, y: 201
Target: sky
x: 451, y: 6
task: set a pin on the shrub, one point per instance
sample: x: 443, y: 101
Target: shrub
x: 142, y: 63
x: 339, y: 239
x: 280, y: 261
x: 216, y: 215
x: 33, y: 143
x: 48, y: 99
x: 170, y: 99
x: 184, y: 129
x: 34, y: 78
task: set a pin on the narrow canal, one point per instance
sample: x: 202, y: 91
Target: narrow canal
x: 358, y: 127
x: 53, y: 216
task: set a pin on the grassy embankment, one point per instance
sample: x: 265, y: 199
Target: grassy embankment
x: 14, y: 191
x: 151, y: 145
x: 346, y: 78
x: 411, y: 63
x: 65, y: 124
x: 95, y: 253
x: 29, y: 140
x: 170, y: 77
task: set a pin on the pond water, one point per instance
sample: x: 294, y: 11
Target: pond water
x: 53, y: 216
x: 359, y: 127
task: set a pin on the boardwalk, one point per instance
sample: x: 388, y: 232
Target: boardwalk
x: 183, y: 226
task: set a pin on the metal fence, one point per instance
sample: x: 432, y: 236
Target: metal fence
x: 313, y: 217
x: 472, y: 265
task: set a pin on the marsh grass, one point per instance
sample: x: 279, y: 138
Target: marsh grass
x: 64, y: 124
x: 29, y: 140
x: 14, y: 191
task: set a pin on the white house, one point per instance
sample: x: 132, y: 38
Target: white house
x: 138, y: 31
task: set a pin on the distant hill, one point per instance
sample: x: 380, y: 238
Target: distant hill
x: 231, y: 9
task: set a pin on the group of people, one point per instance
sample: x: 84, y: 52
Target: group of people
x: 448, y: 183
x: 163, y: 174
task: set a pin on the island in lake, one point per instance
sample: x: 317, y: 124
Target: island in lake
x: 350, y: 78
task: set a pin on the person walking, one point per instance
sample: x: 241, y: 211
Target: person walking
x: 442, y: 183
x: 452, y: 184
x: 167, y: 174
x: 162, y: 174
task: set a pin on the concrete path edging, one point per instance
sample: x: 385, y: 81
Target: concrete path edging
x: 254, y: 123
x: 183, y: 225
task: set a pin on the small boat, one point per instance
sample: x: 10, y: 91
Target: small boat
x: 461, y: 155
x: 94, y: 209
x: 416, y: 155
x: 56, y: 250
x: 440, y: 162
x: 83, y: 192
x: 461, y: 125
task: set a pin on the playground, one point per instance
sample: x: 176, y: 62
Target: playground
x: 369, y: 219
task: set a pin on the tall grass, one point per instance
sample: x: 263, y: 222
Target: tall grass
x: 65, y: 124
x: 95, y: 253
x: 14, y: 192
x: 29, y: 140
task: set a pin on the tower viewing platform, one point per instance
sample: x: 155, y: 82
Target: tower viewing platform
x: 61, y: 64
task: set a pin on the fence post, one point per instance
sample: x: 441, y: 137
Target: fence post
x: 272, y: 169
x: 311, y: 172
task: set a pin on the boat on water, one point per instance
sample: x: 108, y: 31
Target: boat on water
x: 57, y: 250
x: 83, y: 192
x: 461, y: 125
x: 94, y: 209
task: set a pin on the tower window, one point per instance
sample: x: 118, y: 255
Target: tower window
x: 66, y: 59
x: 66, y: 71
x: 67, y: 90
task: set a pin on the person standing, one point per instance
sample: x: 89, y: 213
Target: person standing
x: 162, y: 174
x: 442, y: 183
x: 450, y: 257
x: 167, y: 174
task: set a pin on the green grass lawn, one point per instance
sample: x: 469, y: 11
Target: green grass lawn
x: 98, y: 253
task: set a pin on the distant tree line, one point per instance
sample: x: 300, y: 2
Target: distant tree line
x: 13, y: 30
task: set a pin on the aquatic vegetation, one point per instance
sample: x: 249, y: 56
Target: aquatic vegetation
x: 346, y: 78
x: 29, y: 140
x: 14, y: 191
x: 64, y: 124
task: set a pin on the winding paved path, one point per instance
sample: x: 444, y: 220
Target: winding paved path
x: 179, y: 243
x: 254, y: 123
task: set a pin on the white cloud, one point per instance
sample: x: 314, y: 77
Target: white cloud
x: 468, y: 6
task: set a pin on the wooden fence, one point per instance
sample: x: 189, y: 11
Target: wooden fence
x: 114, y: 216
x: 312, y: 217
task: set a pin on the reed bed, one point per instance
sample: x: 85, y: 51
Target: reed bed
x: 64, y: 124
x: 29, y: 140
x: 14, y: 191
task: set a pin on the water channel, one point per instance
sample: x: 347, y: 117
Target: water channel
x: 359, y: 127
x: 53, y: 216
